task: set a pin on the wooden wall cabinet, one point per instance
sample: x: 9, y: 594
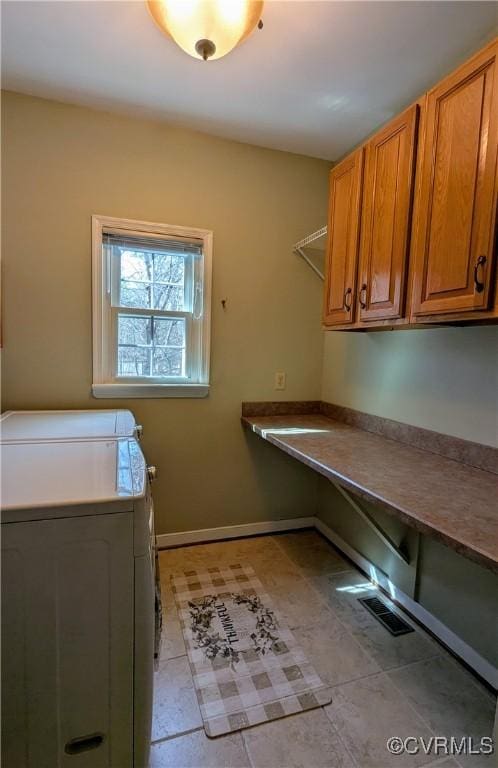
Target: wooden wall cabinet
x: 386, y: 217
x: 440, y: 268
x: 342, y: 240
x: 453, y: 249
x: 366, y: 281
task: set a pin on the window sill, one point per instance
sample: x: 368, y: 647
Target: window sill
x: 149, y: 390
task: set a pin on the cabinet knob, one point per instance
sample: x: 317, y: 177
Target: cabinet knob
x: 347, y: 306
x: 151, y: 473
x: 478, y: 285
x: 363, y: 289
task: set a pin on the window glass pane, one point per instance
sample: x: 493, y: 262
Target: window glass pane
x: 133, y: 361
x: 169, y: 268
x: 169, y: 332
x: 151, y: 280
x: 167, y: 297
x: 151, y: 346
x: 136, y: 266
x: 135, y: 294
x: 167, y: 361
x: 134, y: 330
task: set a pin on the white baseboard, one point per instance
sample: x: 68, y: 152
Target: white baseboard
x: 464, y: 651
x: 166, y: 540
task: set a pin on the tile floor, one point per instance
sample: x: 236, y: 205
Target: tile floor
x: 382, y: 686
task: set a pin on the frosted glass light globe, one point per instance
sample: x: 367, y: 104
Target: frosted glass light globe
x: 206, y: 29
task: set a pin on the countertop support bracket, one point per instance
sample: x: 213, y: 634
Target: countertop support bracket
x: 373, y: 524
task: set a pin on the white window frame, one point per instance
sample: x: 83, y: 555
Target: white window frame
x: 105, y: 382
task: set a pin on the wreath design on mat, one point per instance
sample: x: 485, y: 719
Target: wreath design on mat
x: 201, y: 616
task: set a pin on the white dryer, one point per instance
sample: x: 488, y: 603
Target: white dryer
x: 28, y: 426
x: 77, y: 604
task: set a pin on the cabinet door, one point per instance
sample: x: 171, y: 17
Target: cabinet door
x: 342, y: 240
x: 67, y: 643
x: 386, y: 218
x: 457, y: 195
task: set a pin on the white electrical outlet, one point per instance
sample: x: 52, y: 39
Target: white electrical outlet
x: 280, y: 380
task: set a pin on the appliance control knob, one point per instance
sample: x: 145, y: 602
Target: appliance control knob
x: 139, y: 430
x: 152, y: 472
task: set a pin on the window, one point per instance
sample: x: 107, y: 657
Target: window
x: 151, y: 309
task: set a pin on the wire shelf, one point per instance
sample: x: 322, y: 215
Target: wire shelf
x: 298, y: 248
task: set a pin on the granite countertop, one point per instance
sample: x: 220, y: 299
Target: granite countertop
x: 440, y: 497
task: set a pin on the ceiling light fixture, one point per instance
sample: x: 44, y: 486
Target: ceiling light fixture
x: 207, y: 29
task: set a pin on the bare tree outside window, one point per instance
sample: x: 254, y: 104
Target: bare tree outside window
x: 151, y: 346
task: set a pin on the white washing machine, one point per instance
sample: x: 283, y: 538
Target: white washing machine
x: 28, y: 426
x: 77, y: 604
x: 71, y: 425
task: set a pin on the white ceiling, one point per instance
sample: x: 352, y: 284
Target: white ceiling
x: 317, y: 79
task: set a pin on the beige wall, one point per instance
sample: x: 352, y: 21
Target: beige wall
x: 445, y: 379
x: 63, y: 163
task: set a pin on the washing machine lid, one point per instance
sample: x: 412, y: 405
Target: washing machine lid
x: 27, y: 426
x: 53, y: 474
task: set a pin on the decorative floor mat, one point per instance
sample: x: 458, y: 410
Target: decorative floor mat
x: 246, y: 664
